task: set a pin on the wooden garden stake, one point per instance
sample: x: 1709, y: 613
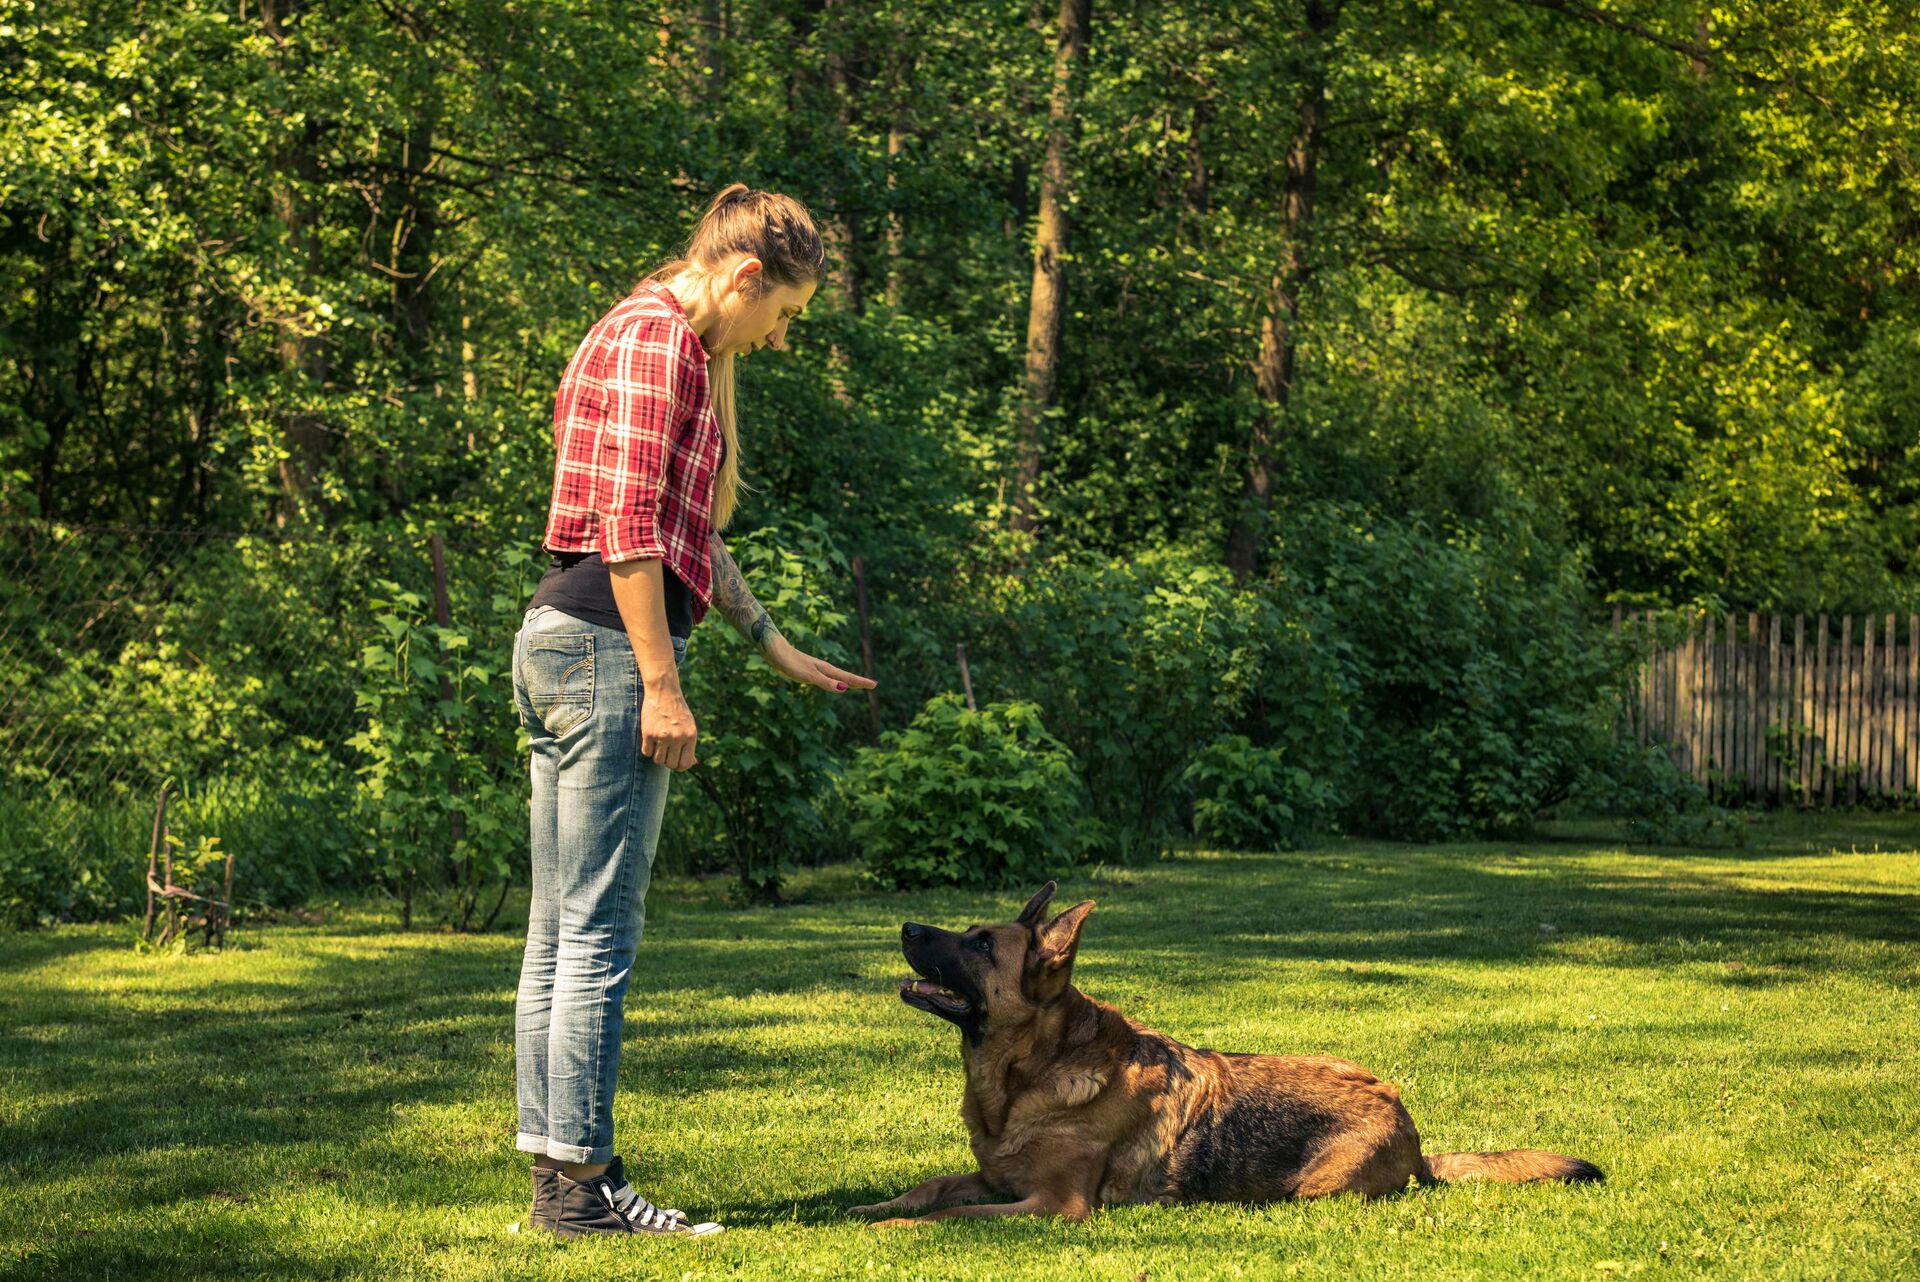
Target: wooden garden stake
x: 866, y: 650
x: 153, y: 856
x: 966, y: 680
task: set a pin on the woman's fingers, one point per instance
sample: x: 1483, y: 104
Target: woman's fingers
x: 668, y: 734
x: 674, y: 754
x: 823, y: 674
x: 851, y: 678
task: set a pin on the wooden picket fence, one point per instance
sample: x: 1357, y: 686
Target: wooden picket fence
x: 1765, y: 708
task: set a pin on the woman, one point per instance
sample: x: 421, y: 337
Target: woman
x: 647, y: 474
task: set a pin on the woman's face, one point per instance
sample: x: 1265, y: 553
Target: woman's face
x: 753, y: 320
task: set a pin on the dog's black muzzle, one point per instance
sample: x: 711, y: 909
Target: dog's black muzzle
x: 944, y: 989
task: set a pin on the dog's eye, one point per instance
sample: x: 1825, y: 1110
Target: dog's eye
x: 984, y: 944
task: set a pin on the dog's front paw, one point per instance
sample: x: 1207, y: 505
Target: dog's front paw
x: 876, y: 1209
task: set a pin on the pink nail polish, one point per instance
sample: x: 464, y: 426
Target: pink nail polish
x: 839, y: 685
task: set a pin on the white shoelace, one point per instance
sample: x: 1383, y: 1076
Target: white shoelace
x: 641, y: 1213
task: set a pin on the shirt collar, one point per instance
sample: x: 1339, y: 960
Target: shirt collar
x: 658, y: 288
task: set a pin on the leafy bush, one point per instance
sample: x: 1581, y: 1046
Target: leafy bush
x: 1303, y: 706
x: 74, y: 855
x: 1136, y: 665
x: 1654, y: 800
x: 1481, y: 684
x: 67, y: 858
x: 1249, y: 798
x: 221, y: 666
x: 294, y: 820
x: 766, y: 743
x: 443, y: 772
x: 983, y: 798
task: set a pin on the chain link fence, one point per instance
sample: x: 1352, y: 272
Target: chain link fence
x: 223, y: 665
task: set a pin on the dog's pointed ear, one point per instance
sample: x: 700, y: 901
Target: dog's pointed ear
x: 1060, y: 937
x: 1036, y: 908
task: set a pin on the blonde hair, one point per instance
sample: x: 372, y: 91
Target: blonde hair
x: 778, y: 231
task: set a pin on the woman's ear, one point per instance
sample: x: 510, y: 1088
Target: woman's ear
x: 744, y: 273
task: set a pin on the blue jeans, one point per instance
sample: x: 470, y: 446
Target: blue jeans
x: 595, y: 822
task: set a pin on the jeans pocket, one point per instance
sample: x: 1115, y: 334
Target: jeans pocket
x: 557, y: 672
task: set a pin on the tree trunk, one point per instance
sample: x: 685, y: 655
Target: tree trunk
x: 300, y: 353
x: 411, y: 268
x: 709, y: 56
x: 846, y: 245
x: 1273, y: 366
x: 902, y: 73
x: 1047, y: 309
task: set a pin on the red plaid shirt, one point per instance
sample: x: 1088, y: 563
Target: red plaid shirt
x: 636, y: 443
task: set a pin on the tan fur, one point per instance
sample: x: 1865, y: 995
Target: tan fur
x: 1515, y: 1166
x: 1070, y: 1105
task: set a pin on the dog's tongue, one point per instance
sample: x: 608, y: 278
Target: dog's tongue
x: 926, y: 988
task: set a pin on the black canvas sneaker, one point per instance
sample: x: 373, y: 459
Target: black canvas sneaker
x: 608, y: 1204
x: 546, y: 1198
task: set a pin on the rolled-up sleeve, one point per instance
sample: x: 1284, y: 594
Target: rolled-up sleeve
x: 646, y: 379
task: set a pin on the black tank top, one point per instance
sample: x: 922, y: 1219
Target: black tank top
x: 580, y: 584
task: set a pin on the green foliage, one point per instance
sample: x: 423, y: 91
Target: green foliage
x: 984, y: 798
x: 1136, y: 665
x: 766, y: 743
x: 1304, y: 705
x: 82, y: 856
x: 1249, y: 798
x: 65, y: 859
x: 260, y: 259
x: 442, y: 773
x: 200, y: 867
x: 1482, y: 681
x: 317, y: 269
x: 219, y: 665
x: 191, y: 659
x: 1654, y: 801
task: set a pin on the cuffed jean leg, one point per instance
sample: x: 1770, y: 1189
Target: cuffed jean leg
x: 596, y: 812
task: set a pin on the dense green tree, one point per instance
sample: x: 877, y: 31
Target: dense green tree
x: 1634, y: 289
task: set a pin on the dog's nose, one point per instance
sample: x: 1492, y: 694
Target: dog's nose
x: 913, y: 932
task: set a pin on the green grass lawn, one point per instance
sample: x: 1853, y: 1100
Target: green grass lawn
x: 1732, y: 1036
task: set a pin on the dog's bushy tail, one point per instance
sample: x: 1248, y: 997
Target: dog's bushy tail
x: 1514, y: 1166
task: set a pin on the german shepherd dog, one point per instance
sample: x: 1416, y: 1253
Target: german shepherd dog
x: 1070, y: 1105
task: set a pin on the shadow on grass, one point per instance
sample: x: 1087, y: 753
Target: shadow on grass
x: 1767, y: 835
x: 1427, y: 906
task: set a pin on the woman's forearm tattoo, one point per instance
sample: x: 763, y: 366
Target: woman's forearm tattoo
x: 731, y: 598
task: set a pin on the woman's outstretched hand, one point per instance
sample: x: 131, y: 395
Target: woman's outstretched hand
x: 807, y: 670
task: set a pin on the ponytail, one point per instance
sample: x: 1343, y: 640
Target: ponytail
x: 779, y: 232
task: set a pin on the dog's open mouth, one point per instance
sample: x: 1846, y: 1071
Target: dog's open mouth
x: 928, y: 995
